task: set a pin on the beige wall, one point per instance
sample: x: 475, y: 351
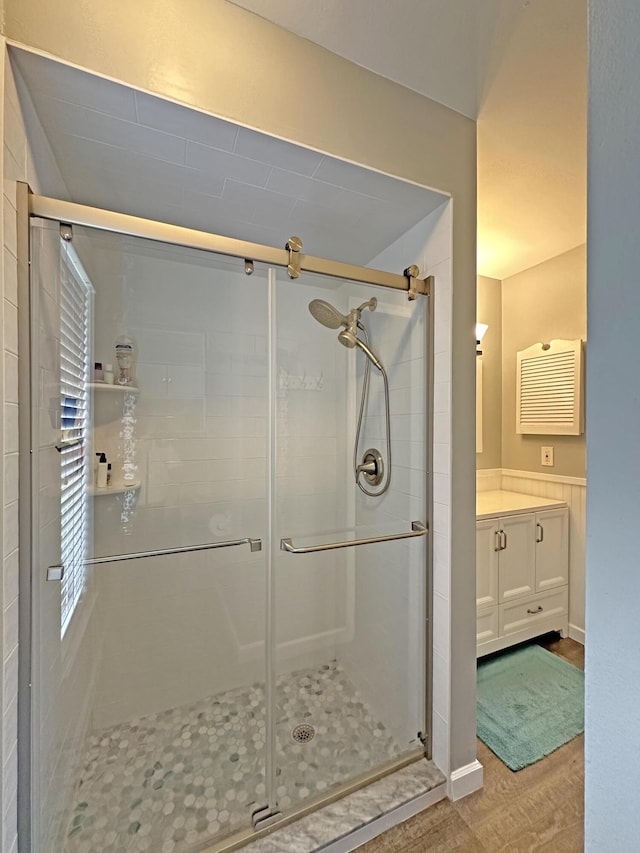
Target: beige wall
x: 489, y: 308
x: 545, y: 302
x: 261, y: 76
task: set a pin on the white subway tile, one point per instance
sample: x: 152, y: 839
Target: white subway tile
x: 441, y: 397
x: 441, y: 642
x: 10, y: 269
x: 10, y: 794
x: 442, y: 367
x: 10, y: 378
x: 184, y: 122
x: 441, y: 701
x: 11, y: 579
x: 10, y: 626
x: 185, y: 381
x: 441, y: 458
x: 441, y: 518
x: 441, y: 428
x: 134, y: 137
x: 10, y: 679
x: 10, y: 478
x: 161, y: 346
x: 10, y: 533
x: 14, y: 136
x: 10, y: 728
x: 440, y: 742
x: 10, y: 327
x: 10, y: 226
x: 441, y: 564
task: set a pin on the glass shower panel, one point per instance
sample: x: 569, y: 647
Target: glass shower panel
x: 149, y: 713
x: 349, y: 644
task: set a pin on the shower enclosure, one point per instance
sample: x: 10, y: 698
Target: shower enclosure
x: 231, y: 632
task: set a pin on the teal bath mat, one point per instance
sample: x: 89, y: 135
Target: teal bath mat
x: 530, y: 702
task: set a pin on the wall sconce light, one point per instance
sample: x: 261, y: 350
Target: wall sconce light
x: 481, y: 328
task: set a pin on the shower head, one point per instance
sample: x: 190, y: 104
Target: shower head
x: 349, y: 340
x: 327, y: 315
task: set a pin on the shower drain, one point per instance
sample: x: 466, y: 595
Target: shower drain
x: 303, y: 733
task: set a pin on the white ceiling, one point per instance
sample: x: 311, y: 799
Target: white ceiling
x: 519, y: 66
x: 131, y: 152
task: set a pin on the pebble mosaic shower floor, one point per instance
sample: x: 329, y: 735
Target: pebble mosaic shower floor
x: 181, y: 779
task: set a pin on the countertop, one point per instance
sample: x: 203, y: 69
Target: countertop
x: 499, y: 502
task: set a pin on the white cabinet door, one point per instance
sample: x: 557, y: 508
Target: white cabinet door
x: 486, y: 562
x: 517, y: 557
x: 552, y: 548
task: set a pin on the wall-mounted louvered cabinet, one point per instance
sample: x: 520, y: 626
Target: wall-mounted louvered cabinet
x: 549, y: 389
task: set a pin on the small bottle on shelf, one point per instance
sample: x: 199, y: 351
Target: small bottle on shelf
x: 109, y: 376
x: 103, y: 471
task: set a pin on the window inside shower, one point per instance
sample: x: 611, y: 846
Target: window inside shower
x: 199, y: 693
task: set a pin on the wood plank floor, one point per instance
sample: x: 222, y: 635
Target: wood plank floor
x: 539, y: 808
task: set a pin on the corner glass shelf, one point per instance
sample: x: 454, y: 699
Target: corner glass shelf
x: 114, y: 389
x: 118, y: 489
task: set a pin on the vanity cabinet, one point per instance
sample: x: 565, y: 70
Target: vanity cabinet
x: 522, y: 567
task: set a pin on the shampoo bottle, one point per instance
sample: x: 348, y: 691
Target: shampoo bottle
x: 124, y: 359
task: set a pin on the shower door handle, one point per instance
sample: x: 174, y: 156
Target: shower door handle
x: 417, y: 529
x: 55, y: 573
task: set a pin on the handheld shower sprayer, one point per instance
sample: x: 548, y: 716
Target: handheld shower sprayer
x: 372, y: 467
x: 349, y: 340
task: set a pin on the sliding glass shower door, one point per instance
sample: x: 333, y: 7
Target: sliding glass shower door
x: 229, y: 583
x: 149, y: 721
x: 349, y: 643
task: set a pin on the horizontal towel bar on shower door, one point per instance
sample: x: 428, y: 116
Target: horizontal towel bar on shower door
x: 55, y: 573
x: 417, y: 529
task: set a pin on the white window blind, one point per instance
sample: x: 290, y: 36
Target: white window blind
x: 549, y: 389
x: 76, y: 294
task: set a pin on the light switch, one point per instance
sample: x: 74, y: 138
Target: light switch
x: 546, y: 456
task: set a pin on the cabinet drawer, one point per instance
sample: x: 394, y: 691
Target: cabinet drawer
x: 486, y: 625
x: 539, y: 608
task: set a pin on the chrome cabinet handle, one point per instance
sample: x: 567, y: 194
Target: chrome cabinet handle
x: 541, y: 529
x: 56, y: 573
x: 502, y: 533
x: 538, y: 609
x: 417, y: 529
x: 498, y: 541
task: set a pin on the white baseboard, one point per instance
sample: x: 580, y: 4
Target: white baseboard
x: 576, y: 633
x: 465, y: 780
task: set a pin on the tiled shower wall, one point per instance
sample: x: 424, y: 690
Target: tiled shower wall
x: 428, y: 244
x: 385, y: 657
x: 64, y: 667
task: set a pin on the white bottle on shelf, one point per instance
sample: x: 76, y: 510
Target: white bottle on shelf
x: 108, y: 374
x: 103, y: 470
